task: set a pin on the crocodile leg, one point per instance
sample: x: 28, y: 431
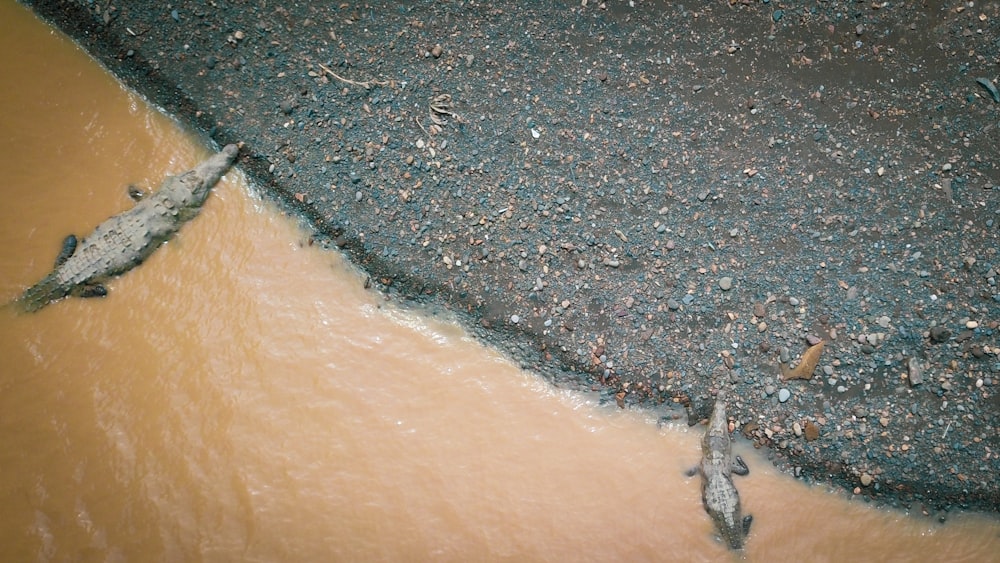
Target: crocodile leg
x: 740, y: 466
x: 91, y: 290
x: 68, y: 248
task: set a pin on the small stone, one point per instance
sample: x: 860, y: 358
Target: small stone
x: 436, y: 51
x: 515, y: 319
x: 883, y: 321
x: 915, y: 372
x: 793, y: 301
x: 866, y: 479
x: 770, y: 389
x: 726, y: 283
x: 759, y: 310
x: 358, y: 196
x: 811, y: 431
x: 288, y: 105
x: 884, y: 421
x: 673, y: 304
x: 972, y: 325
x: 939, y: 334
x: 797, y: 428
x: 783, y: 395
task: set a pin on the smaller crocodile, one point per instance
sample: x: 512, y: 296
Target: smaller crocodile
x: 122, y: 242
x: 722, y: 500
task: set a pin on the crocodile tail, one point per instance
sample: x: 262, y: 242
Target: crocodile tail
x: 41, y: 294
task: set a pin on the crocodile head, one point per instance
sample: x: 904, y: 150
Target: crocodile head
x: 190, y: 189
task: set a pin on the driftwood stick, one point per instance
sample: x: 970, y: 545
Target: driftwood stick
x: 366, y: 85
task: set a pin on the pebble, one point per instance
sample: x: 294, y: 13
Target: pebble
x: 866, y: 479
x: 783, y: 395
x: 673, y: 304
x: 939, y: 334
x: 972, y: 325
x: 515, y: 319
x: 915, y: 372
x: 797, y: 428
x: 793, y: 301
x: 770, y: 389
x: 726, y: 283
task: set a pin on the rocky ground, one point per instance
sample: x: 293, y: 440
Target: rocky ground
x: 649, y: 199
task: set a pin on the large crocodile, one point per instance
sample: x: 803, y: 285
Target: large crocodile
x: 722, y: 500
x: 122, y: 242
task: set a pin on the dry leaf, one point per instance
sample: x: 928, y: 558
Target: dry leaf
x: 806, y: 366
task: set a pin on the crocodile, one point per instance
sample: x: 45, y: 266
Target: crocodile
x: 122, y: 242
x: 719, y: 494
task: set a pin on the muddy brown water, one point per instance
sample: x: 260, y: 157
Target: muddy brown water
x: 242, y: 397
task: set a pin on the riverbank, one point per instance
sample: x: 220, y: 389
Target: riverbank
x: 646, y: 201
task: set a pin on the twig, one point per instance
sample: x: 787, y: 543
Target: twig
x: 366, y: 85
x: 417, y: 119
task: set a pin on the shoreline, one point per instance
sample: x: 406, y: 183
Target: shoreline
x: 645, y: 202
